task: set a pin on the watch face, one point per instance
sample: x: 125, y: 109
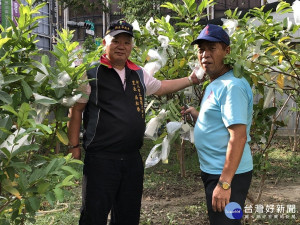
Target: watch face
x: 225, y: 185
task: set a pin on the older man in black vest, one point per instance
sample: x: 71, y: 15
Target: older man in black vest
x: 114, y: 126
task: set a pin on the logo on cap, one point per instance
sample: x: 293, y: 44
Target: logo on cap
x: 213, y: 33
x: 206, y: 30
x: 119, y: 26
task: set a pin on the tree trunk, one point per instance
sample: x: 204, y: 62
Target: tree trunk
x: 181, y: 159
x: 57, y: 147
x: 296, y: 138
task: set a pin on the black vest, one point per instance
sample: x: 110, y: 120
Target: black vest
x: 114, y: 118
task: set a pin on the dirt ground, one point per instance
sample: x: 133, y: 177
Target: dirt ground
x: 182, y: 204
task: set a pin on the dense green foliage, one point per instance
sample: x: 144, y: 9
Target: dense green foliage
x: 141, y: 10
x: 34, y: 101
x: 261, y: 50
x: 35, y: 95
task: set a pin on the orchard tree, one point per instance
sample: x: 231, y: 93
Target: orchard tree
x: 34, y: 101
x: 261, y: 51
x: 268, y: 57
x: 166, y: 51
x: 141, y: 10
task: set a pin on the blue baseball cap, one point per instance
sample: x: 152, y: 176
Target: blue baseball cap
x: 213, y: 33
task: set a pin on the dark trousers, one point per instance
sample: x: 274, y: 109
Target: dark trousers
x: 112, y: 185
x: 239, y: 189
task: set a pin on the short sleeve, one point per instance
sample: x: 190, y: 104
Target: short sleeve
x: 152, y: 84
x: 234, y: 106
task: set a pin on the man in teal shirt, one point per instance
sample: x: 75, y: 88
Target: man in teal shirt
x: 222, y: 128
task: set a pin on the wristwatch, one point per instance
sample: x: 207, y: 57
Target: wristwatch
x: 73, y: 146
x: 224, y: 185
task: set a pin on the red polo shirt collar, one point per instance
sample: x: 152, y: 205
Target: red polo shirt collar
x: 104, y: 61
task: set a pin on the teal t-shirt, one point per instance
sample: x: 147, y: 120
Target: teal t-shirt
x: 227, y: 100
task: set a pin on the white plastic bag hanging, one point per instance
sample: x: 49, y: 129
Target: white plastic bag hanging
x: 154, y: 156
x: 230, y: 25
x: 9, y: 142
x: 296, y: 9
x: 69, y: 101
x: 192, y: 140
x: 152, y: 67
x: 160, y: 60
x: 152, y: 128
x: 136, y: 25
x: 148, y: 26
x: 164, y: 40
x: 172, y: 127
x: 63, y: 79
x: 43, y: 99
x: 185, y: 131
x: 199, y: 72
x: 41, y: 111
x: 154, y: 124
x: 165, y: 150
x: 197, y: 69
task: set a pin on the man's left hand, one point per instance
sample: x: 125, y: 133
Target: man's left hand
x: 220, y: 198
x: 195, y: 79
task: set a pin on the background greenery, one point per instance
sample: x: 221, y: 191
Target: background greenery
x: 35, y: 96
x: 284, y: 168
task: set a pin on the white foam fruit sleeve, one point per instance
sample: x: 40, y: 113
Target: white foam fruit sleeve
x: 199, y: 72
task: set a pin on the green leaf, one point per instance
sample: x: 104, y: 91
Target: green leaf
x: 25, y: 148
x: 9, y: 109
x: 35, y: 176
x: 228, y: 13
x: 44, y: 100
x: 43, y: 187
x: 6, y: 98
x: 281, y: 6
x: 44, y: 128
x: 71, y: 170
x: 55, y: 164
x: 9, y: 187
x: 5, y: 55
x: 51, y: 166
x: 77, y: 161
x: 50, y: 198
x: 59, y: 194
x: 5, y: 127
x: 283, y: 39
x: 21, y: 165
x: 3, y: 41
x: 62, y: 136
x: 23, y: 181
x: 42, y: 67
x: 45, y: 60
x: 4, y: 221
x: 237, y: 69
x: 26, y: 88
x: 67, y: 181
x: 23, y: 114
x: 34, y: 203
x: 12, y: 78
x: 6, y: 152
